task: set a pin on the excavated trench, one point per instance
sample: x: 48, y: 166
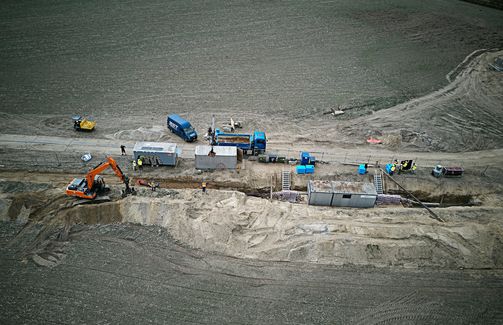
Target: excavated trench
x: 191, y: 183
x: 441, y: 200
x: 240, y: 224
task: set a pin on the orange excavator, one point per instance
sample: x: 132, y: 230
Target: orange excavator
x: 93, y: 184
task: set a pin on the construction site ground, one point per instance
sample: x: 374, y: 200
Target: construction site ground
x: 417, y: 78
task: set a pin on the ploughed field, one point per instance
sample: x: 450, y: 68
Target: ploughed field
x: 128, y: 64
x: 132, y: 274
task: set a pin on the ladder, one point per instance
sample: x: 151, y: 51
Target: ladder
x: 285, y: 180
x: 378, y: 182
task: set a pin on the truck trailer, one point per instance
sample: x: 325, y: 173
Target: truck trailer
x: 251, y: 144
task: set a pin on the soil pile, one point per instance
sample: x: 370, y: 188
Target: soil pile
x: 233, y: 224
x: 465, y: 115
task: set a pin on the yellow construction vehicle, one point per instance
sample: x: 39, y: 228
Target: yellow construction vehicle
x: 82, y: 123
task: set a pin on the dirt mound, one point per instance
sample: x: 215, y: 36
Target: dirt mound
x: 463, y: 116
x: 233, y: 224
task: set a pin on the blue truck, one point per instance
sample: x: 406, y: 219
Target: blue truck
x: 251, y: 144
x: 181, y: 127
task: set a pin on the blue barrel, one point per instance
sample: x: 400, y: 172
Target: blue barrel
x: 300, y: 169
x: 309, y: 169
x: 361, y: 169
x: 388, y: 168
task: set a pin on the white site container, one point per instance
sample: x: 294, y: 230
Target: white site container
x: 221, y: 158
x: 156, y: 153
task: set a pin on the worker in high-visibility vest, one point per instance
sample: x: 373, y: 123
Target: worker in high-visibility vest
x: 414, y: 167
x: 393, y: 168
x: 140, y: 163
x: 203, y: 186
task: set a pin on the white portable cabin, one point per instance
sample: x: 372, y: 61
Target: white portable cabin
x: 222, y: 157
x: 341, y: 194
x: 156, y: 153
x: 320, y: 192
x: 354, y: 194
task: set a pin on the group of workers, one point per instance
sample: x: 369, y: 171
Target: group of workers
x: 138, y: 163
x: 397, y: 167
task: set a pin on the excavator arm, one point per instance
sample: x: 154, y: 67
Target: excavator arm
x: 101, y: 167
x: 118, y: 171
x: 87, y: 189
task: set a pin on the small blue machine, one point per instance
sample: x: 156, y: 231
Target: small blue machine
x: 307, y: 159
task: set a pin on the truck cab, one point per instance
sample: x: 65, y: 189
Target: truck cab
x: 181, y: 127
x: 260, y: 142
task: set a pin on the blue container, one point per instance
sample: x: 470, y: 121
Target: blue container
x: 388, y: 168
x: 309, y: 169
x: 361, y: 169
x: 300, y: 169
